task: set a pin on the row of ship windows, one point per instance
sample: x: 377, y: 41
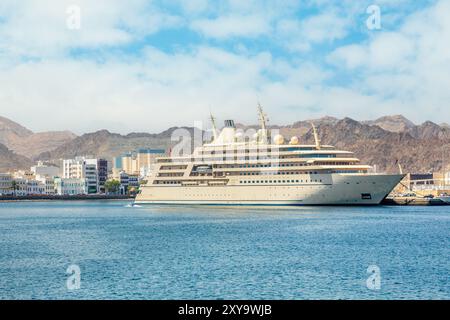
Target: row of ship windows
x: 274, y: 173
x: 218, y: 174
x: 262, y: 149
x: 280, y: 165
x: 277, y: 181
x: 167, y: 182
x: 255, y: 181
x: 231, y: 157
x: 272, y: 165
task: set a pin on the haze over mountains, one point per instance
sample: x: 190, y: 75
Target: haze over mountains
x: 419, y: 148
x: 27, y: 143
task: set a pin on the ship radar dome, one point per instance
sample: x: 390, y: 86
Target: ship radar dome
x: 278, y: 139
x: 294, y: 140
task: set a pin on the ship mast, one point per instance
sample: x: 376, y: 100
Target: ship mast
x: 263, y: 123
x: 316, y: 137
x: 214, y: 127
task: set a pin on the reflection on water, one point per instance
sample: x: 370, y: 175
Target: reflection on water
x: 222, y: 252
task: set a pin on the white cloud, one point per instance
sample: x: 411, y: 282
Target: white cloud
x: 232, y: 26
x: 158, y: 91
x: 300, y: 35
x: 410, y: 66
x: 385, y: 51
x: 396, y: 71
x: 39, y: 28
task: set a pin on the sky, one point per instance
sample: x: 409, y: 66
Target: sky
x: 145, y: 66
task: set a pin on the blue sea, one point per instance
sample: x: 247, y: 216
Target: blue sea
x: 194, y: 252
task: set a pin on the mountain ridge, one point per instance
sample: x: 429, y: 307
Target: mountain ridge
x: 25, y: 142
x: 381, y: 142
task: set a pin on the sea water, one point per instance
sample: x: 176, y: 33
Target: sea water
x: 112, y: 250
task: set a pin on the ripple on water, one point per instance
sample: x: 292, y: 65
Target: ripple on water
x: 194, y: 252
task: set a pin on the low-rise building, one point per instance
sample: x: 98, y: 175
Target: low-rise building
x: 23, y: 174
x: 70, y: 186
x: 133, y: 182
x: 35, y: 187
x: 48, y: 183
x: 6, y: 184
x: 123, y: 178
x: 20, y: 187
x: 45, y: 170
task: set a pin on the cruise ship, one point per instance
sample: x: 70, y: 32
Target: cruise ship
x: 264, y: 169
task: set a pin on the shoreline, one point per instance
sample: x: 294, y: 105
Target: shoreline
x: 385, y: 202
x: 64, y: 198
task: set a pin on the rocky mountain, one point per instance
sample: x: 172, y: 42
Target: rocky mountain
x: 10, y: 128
x: 381, y: 142
x: 10, y: 160
x: 27, y: 143
x: 374, y: 145
x: 429, y: 131
x: 109, y: 145
x: 396, y: 123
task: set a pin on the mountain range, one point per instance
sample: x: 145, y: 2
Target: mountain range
x: 381, y: 142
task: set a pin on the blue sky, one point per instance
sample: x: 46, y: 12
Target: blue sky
x: 147, y: 65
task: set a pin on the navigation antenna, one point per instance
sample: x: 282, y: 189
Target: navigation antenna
x: 214, y: 127
x: 263, y: 123
x: 316, y: 137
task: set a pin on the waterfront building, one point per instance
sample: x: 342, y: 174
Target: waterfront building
x: 70, y: 186
x: 48, y: 183
x: 102, y: 168
x: 6, y: 184
x: 82, y: 168
x: 428, y: 183
x: 35, y: 187
x: 123, y: 178
x: 23, y: 183
x: 139, y: 162
x: 91, y: 175
x: 20, y: 187
x: 133, y: 181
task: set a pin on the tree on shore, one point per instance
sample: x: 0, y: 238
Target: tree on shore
x: 14, y: 187
x: 112, y: 186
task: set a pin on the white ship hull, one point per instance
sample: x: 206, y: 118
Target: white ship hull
x: 335, y: 189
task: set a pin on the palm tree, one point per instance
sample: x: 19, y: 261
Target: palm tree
x: 14, y: 187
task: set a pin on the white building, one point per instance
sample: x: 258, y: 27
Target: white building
x: 48, y: 183
x: 45, y: 170
x: 35, y: 187
x: 6, y: 184
x: 82, y: 168
x: 20, y: 187
x: 91, y: 175
x: 70, y: 186
x: 447, y: 178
